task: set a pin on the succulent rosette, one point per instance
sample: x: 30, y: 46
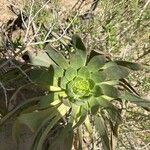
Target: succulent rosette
x: 85, y: 79
x: 81, y: 81
x: 81, y: 89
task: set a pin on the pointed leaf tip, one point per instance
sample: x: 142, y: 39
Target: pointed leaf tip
x: 57, y: 57
x: 96, y: 63
x: 115, y: 72
x: 136, y: 99
x: 103, y: 132
x: 130, y: 65
x: 77, y: 42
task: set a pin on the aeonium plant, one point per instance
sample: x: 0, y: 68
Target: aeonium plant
x: 82, y: 94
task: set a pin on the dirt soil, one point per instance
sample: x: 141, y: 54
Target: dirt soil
x: 66, y: 6
x: 6, y: 13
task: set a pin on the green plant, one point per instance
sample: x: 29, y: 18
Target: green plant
x: 82, y: 92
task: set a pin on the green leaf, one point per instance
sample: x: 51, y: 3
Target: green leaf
x: 57, y: 57
x: 80, y: 138
x: 34, y: 120
x: 40, y: 59
x: 50, y: 120
x: 104, y: 102
x: 109, y: 90
x: 58, y: 71
x: 136, y: 99
x: 77, y: 42
x: 3, y: 108
x: 76, y: 61
x: 103, y: 132
x: 126, y: 85
x: 80, y: 49
x: 98, y: 76
x: 70, y: 73
x: 19, y: 108
x: 61, y: 111
x: 81, y: 115
x: 130, y: 65
x: 92, y: 84
x: 96, y: 63
x: 83, y: 55
x: 47, y: 99
x: 93, y: 105
x: 75, y: 110
x: 112, y: 82
x: 109, y: 64
x: 63, y: 82
x: 54, y: 88
x: 97, y: 91
x: 64, y: 140
x: 70, y: 90
x: 16, y: 131
x: 113, y: 111
x: 115, y: 72
x: 38, y: 145
x: 84, y: 72
x: 41, y: 76
x: 81, y: 121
